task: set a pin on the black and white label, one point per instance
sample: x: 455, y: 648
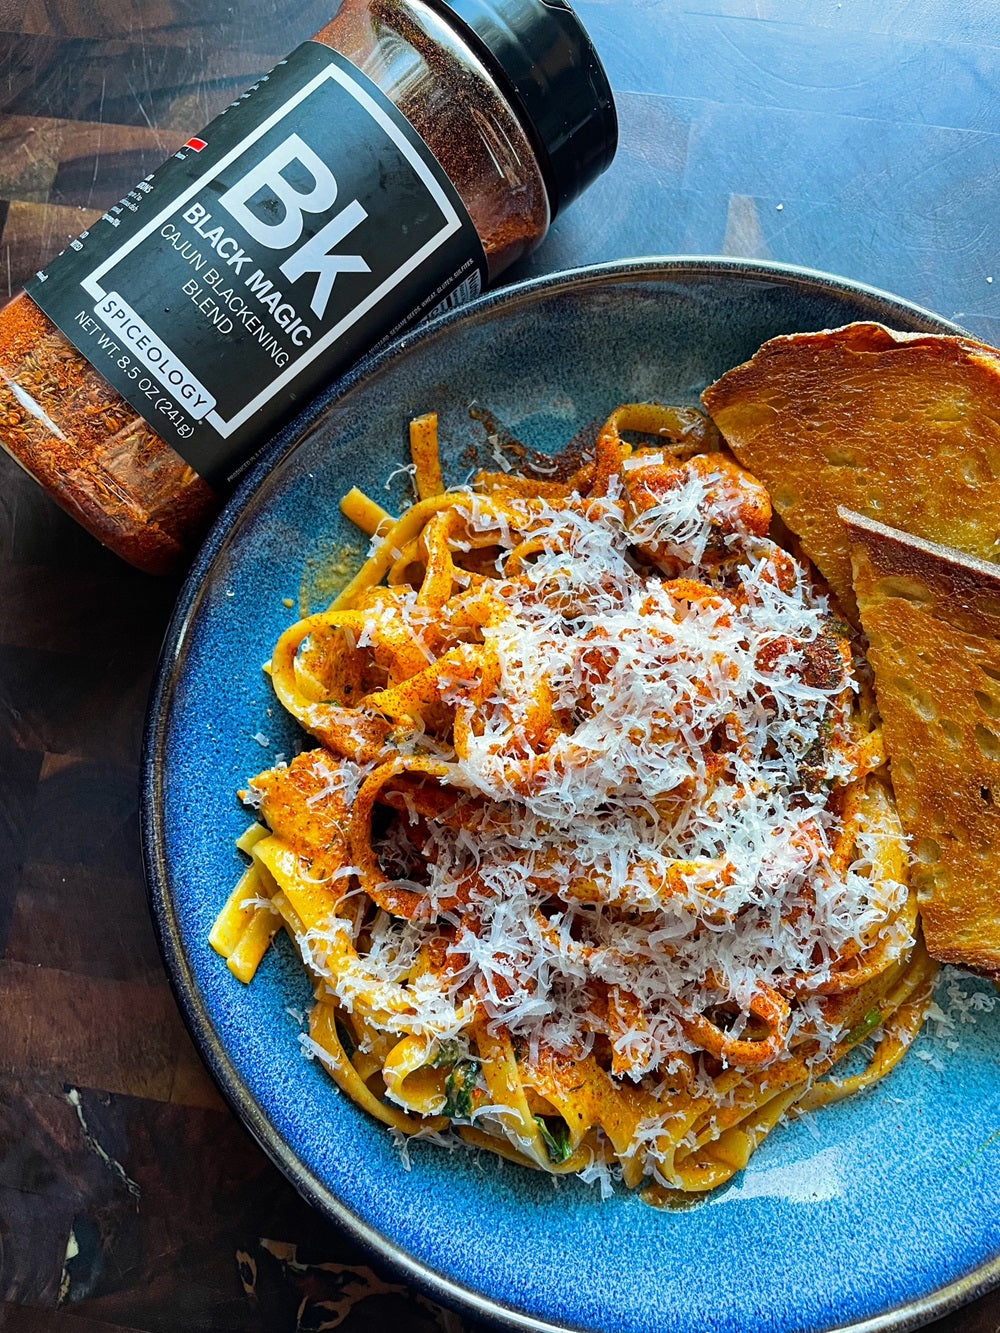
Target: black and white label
x: 306, y: 224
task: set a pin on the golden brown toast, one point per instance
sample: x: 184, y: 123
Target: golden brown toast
x: 902, y: 427
x: 932, y: 616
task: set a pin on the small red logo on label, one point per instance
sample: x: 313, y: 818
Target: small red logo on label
x: 197, y: 144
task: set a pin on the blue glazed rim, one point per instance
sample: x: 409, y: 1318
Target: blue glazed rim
x: 880, y: 306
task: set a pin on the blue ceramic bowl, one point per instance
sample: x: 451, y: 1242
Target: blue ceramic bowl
x: 876, y: 1213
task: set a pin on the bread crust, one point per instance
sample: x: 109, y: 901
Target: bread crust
x: 901, y: 427
x: 932, y: 616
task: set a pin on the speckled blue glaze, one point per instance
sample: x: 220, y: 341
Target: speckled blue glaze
x: 875, y: 1213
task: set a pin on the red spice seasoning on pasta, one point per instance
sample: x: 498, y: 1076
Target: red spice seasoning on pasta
x: 591, y: 853
x: 385, y: 170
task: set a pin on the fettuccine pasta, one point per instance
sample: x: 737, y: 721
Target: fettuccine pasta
x: 593, y: 859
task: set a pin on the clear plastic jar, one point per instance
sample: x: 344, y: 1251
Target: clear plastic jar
x: 511, y: 101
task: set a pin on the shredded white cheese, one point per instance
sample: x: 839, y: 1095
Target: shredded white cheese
x: 672, y: 845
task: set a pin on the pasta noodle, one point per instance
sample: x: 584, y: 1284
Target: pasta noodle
x: 595, y: 861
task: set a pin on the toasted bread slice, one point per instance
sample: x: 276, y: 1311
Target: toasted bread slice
x: 902, y: 427
x: 932, y: 616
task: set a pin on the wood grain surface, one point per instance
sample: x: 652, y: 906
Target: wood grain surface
x: 860, y: 137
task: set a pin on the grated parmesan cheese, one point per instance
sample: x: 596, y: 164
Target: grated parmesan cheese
x: 673, y: 843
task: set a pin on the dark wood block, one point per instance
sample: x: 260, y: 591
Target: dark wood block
x: 224, y: 1243
x: 122, y: 1036
x: 32, y: 1319
x: 79, y: 919
x: 20, y: 768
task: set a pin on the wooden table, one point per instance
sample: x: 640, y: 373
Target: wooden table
x: 858, y: 137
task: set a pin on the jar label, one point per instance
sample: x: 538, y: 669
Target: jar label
x: 307, y: 224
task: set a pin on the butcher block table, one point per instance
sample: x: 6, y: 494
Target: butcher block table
x: 861, y: 138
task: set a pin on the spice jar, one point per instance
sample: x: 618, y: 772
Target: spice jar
x: 387, y: 169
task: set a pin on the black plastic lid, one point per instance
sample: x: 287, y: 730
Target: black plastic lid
x: 539, y: 52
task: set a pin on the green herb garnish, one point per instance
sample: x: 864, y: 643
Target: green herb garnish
x: 458, y: 1090
x: 555, y: 1138
x: 868, y: 1024
x: 448, y: 1053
